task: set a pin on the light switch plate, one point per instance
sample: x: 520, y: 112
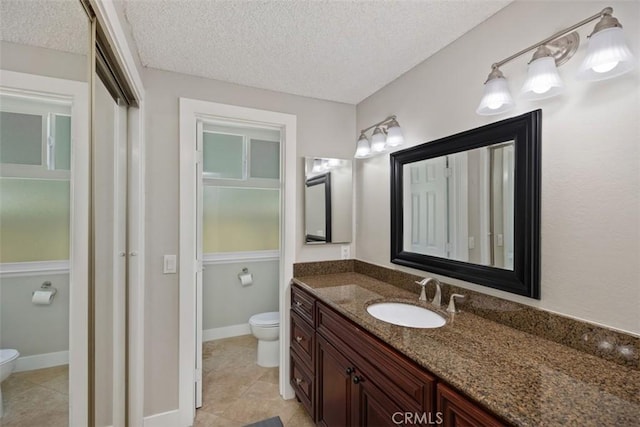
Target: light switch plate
x: 169, y: 266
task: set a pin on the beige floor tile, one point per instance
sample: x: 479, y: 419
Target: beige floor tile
x: 40, y: 376
x: 204, y: 419
x: 249, y: 410
x: 36, y: 398
x: 272, y: 375
x: 300, y: 418
x: 236, y: 391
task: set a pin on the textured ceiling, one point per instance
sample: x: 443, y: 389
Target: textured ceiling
x: 54, y: 24
x: 336, y: 50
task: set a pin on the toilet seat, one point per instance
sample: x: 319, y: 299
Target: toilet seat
x: 265, y: 320
x: 7, y: 355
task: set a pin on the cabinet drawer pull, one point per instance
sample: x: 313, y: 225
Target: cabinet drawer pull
x: 299, y: 339
x: 357, y: 379
x: 299, y: 381
x: 298, y: 304
x: 349, y: 371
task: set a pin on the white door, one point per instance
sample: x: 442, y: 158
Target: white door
x: 199, y: 267
x: 110, y: 216
x: 429, y: 224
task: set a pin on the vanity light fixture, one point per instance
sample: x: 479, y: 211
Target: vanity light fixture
x: 607, y: 56
x: 386, y: 134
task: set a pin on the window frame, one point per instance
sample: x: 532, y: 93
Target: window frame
x: 48, y: 108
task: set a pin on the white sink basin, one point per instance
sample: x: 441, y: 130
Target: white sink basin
x: 403, y: 314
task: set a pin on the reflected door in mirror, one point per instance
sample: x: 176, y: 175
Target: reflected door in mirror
x: 460, y: 206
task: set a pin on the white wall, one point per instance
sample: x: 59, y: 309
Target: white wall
x: 590, y: 157
x: 325, y: 129
x: 225, y: 302
x: 34, y: 329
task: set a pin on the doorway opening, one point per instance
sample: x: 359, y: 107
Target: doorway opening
x: 237, y: 210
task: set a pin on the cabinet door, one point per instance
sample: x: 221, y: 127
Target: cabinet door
x: 376, y: 409
x: 333, y: 375
x: 458, y: 411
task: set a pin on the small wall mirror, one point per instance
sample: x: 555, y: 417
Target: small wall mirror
x: 328, y: 200
x: 467, y: 206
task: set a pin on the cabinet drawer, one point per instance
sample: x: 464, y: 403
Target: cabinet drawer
x: 302, y: 382
x: 412, y: 387
x: 302, y: 304
x: 458, y: 411
x: 303, y: 340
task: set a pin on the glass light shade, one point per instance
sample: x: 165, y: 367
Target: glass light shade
x: 363, y: 149
x: 378, y: 141
x: 607, y: 56
x: 394, y: 136
x: 543, y: 80
x: 496, y: 98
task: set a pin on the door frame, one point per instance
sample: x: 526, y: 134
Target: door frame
x: 190, y: 111
x: 78, y: 93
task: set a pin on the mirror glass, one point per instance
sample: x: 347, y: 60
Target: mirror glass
x: 468, y: 205
x: 328, y: 200
x: 460, y: 206
x: 44, y: 118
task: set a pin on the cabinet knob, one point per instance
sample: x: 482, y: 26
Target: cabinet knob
x: 357, y: 379
x: 299, y: 339
x: 298, y: 304
x: 349, y: 371
x: 299, y: 381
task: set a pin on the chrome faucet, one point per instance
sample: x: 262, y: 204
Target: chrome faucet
x: 423, y: 296
x: 452, y: 305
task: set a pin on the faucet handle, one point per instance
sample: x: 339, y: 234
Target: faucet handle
x: 452, y: 305
x: 423, y: 294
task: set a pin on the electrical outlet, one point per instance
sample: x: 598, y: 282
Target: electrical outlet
x: 345, y: 252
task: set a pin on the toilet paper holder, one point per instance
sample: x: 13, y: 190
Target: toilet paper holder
x: 46, y: 286
x: 245, y: 277
x: 44, y: 295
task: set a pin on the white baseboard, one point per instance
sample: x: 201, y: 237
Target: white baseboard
x: 39, y: 361
x: 164, y: 419
x: 226, y: 332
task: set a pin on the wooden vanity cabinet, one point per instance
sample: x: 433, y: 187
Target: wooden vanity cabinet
x: 303, y: 349
x: 458, y: 411
x: 344, y: 376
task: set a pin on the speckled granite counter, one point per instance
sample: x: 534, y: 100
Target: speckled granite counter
x: 525, y: 379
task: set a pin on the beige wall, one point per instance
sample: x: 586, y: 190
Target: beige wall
x: 590, y: 157
x: 325, y: 129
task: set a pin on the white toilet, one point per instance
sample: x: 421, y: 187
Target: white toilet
x: 7, y: 365
x: 266, y: 328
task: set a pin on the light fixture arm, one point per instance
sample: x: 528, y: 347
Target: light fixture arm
x: 604, y: 12
x: 382, y: 122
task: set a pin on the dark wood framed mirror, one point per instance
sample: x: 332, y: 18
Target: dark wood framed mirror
x: 318, y: 209
x: 468, y: 205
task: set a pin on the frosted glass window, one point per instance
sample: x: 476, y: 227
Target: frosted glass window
x: 223, y: 155
x: 34, y: 220
x: 63, y: 142
x: 20, y: 138
x: 265, y: 159
x: 240, y: 219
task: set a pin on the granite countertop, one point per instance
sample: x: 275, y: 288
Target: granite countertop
x: 523, y: 378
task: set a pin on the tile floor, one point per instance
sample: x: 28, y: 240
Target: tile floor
x: 36, y: 398
x: 237, y: 392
